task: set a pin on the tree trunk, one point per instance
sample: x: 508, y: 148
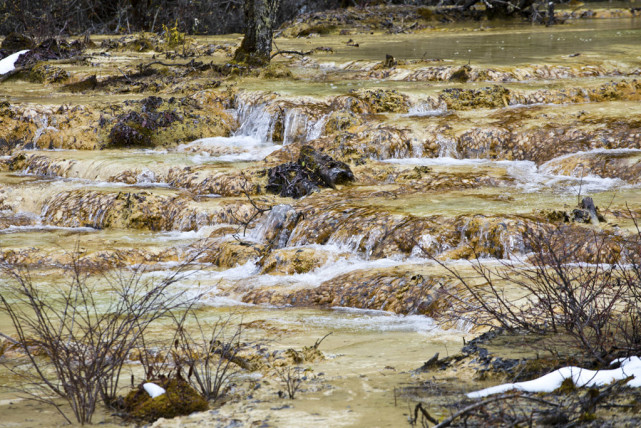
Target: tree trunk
x: 256, y: 47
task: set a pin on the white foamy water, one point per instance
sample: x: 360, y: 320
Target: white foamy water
x: 255, y: 121
x: 530, y: 178
x: 45, y: 228
x: 372, y: 320
x: 228, y: 149
x: 425, y: 110
x: 177, y: 235
x: 330, y: 270
x: 253, y: 140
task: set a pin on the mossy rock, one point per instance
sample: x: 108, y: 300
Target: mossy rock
x: 308, y: 354
x: 141, y: 128
x: 462, y: 74
x: 140, y: 44
x: 276, y: 71
x: 45, y: 73
x: 180, y: 399
x: 289, y: 262
x: 383, y: 100
x: 316, y: 29
x: 464, y: 99
x: 342, y: 120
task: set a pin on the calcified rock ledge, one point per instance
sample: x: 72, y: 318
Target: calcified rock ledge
x: 147, y: 164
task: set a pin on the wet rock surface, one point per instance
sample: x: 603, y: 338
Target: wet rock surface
x: 394, y: 291
x: 308, y: 187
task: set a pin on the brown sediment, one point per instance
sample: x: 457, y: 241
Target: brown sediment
x: 563, y: 116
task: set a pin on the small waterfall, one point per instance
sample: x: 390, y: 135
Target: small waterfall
x: 146, y: 176
x: 427, y: 246
x: 292, y: 123
x: 316, y: 129
x: 447, y: 147
x: 255, y: 121
x: 276, y: 226
x: 346, y: 242
x: 298, y: 125
x: 43, y: 122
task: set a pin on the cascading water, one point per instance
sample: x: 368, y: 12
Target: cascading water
x: 460, y: 178
x: 253, y: 140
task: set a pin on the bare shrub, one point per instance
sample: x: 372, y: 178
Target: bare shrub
x: 77, y: 336
x: 210, y: 354
x: 593, y: 307
x: 292, y: 378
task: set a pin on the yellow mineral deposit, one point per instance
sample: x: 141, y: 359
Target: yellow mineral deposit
x: 478, y: 131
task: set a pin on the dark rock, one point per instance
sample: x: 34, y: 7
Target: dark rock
x: 151, y: 103
x: 137, y: 129
x: 50, y: 49
x: 87, y: 84
x: 462, y: 74
x: 587, y: 212
x: 312, y: 171
x: 430, y: 364
x: 17, y: 42
x: 389, y: 61
x: 290, y: 180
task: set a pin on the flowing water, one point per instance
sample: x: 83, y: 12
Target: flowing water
x: 432, y: 177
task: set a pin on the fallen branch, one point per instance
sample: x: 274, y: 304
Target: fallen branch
x: 125, y: 76
x: 279, y: 52
x: 9, y: 338
x: 191, y: 64
x: 13, y: 72
x: 419, y: 407
x: 319, y: 341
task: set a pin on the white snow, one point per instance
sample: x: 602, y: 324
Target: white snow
x: 581, y: 377
x: 8, y: 64
x: 153, y: 390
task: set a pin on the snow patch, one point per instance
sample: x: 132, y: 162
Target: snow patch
x: 9, y: 63
x: 581, y: 377
x: 153, y: 390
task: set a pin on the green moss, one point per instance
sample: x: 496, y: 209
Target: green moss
x: 180, y: 399
x: 587, y: 417
x: 567, y: 387
x: 140, y: 44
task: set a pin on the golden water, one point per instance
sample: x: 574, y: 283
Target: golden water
x: 369, y: 353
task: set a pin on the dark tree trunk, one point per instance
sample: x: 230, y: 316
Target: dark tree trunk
x: 256, y: 47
